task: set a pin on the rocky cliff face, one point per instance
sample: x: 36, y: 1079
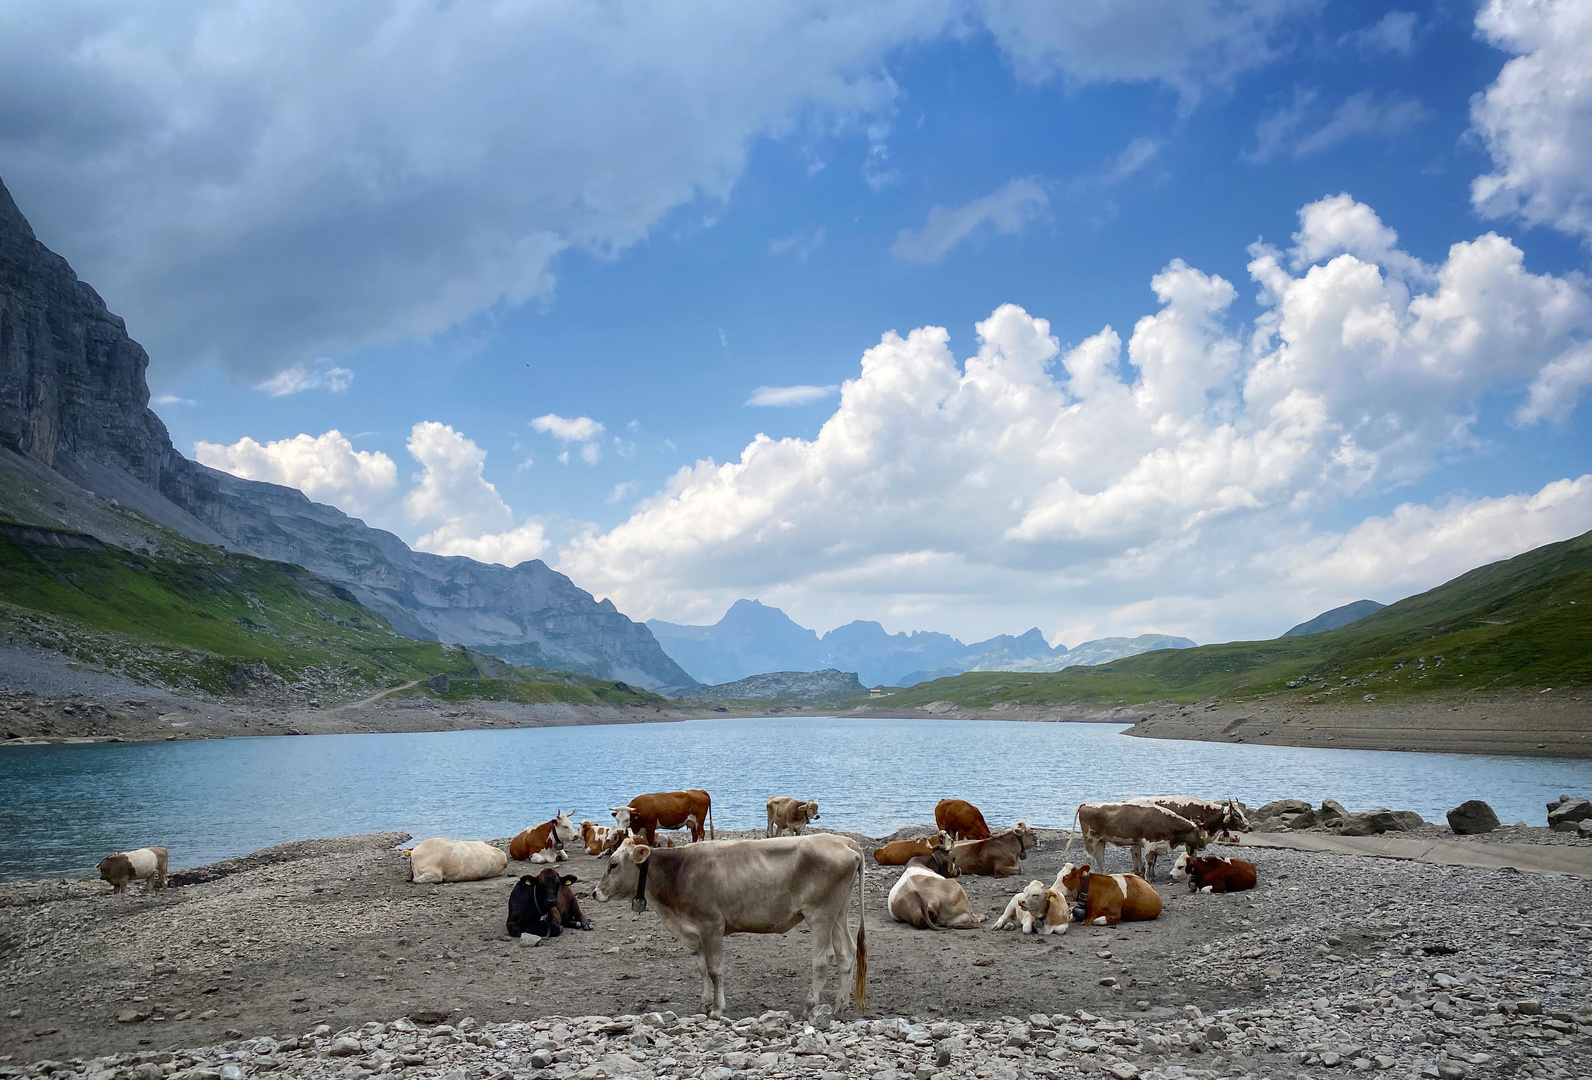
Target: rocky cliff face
x: 73, y: 396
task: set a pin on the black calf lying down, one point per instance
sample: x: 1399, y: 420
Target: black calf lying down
x: 543, y: 905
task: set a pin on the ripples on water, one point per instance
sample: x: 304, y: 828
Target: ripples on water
x: 63, y: 807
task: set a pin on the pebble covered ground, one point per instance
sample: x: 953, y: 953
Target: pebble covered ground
x: 318, y: 960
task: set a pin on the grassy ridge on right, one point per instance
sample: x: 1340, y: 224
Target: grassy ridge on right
x: 1523, y: 622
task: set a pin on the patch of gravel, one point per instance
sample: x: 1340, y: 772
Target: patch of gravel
x: 1407, y: 967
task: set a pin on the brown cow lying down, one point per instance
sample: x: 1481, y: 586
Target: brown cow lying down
x: 544, y: 842
x: 1108, y: 899
x: 147, y: 864
x: 596, y: 838
x: 646, y: 814
x: 704, y: 891
x: 1214, y: 873
x: 925, y: 897
x: 961, y: 819
x: 1036, y: 910
x: 999, y: 855
x: 440, y: 859
x: 901, y: 852
x: 790, y: 815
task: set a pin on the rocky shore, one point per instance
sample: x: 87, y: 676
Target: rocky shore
x: 319, y: 960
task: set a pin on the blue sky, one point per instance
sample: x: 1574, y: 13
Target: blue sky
x: 425, y: 229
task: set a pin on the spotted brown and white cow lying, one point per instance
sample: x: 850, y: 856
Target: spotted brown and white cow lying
x: 1141, y: 827
x: 146, y: 864
x: 1108, y: 899
x: 703, y: 892
x: 597, y: 838
x: 544, y: 843
x: 1214, y: 873
x: 786, y: 814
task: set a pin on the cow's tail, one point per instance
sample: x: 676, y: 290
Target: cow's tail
x: 1074, y: 834
x: 859, y: 990
x: 711, y: 834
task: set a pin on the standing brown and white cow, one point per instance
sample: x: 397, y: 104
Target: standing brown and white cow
x: 1135, y: 826
x: 646, y: 814
x: 704, y: 891
x: 1214, y: 817
x: 786, y: 814
x: 147, y: 864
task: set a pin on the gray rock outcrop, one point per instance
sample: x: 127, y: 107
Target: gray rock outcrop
x: 73, y: 397
x: 800, y: 687
x: 1567, y: 812
x: 1472, y: 818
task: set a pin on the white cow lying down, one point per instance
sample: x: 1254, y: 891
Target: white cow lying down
x: 440, y: 859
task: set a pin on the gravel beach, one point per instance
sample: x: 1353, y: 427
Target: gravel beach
x: 318, y: 959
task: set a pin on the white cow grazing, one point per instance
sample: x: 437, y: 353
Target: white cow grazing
x: 704, y: 891
x: 440, y: 859
x: 1036, y: 910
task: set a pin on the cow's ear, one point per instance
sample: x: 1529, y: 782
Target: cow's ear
x: 569, y: 879
x: 527, y: 880
x: 641, y: 853
x: 1084, y: 869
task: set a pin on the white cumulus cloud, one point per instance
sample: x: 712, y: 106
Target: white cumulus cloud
x: 568, y: 429
x: 466, y: 514
x: 1536, y: 118
x: 1007, y: 210
x: 1135, y: 484
x: 326, y: 467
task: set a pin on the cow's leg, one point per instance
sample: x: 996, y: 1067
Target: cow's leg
x: 1150, y: 856
x: 713, y: 974
x: 1137, y: 850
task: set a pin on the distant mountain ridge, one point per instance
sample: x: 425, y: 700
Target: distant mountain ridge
x: 1336, y: 619
x: 753, y: 639
x: 74, y: 398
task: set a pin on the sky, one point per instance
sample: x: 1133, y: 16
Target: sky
x: 1179, y: 316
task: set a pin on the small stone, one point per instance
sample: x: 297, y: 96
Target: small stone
x: 1529, y: 1007
x: 1472, y: 818
x: 1331, y: 1059
x: 131, y: 1016
x: 231, y: 1072
x: 822, y: 1017
x: 1384, y: 1062
x: 1124, y: 1070
x: 1451, y: 1070
x: 344, y: 1047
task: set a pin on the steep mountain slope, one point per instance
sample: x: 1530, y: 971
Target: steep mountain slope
x: 1335, y: 619
x: 1524, y: 622
x: 73, y: 398
x: 751, y: 639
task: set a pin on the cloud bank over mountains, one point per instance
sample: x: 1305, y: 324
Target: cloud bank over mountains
x: 1169, y: 479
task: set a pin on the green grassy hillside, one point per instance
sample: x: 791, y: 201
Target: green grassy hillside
x: 1524, y: 622
x: 198, y: 617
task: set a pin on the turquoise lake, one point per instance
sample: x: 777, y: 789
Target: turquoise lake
x: 64, y: 807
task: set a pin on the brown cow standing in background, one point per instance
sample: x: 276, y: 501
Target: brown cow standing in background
x: 646, y: 814
x: 961, y: 819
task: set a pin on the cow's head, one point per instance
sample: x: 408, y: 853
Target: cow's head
x: 621, y: 817
x: 1032, y: 899
x: 941, y: 839
x: 563, y: 829
x: 533, y: 901
x: 624, y: 871
x: 117, y: 867
x: 1026, y: 840
x: 1233, y: 817
x: 810, y: 810
x: 939, y: 860
x: 1069, y: 882
x: 1180, y: 868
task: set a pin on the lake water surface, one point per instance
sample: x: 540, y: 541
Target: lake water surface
x: 63, y: 807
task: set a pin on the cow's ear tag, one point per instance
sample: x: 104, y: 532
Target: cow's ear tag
x: 569, y: 879
x: 526, y: 880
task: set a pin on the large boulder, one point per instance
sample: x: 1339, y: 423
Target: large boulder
x: 1331, y: 813
x: 1306, y: 819
x: 1471, y: 818
x: 1565, y: 813
x: 1281, y: 807
x: 1378, y: 821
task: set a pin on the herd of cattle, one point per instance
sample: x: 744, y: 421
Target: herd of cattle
x: 704, y: 891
